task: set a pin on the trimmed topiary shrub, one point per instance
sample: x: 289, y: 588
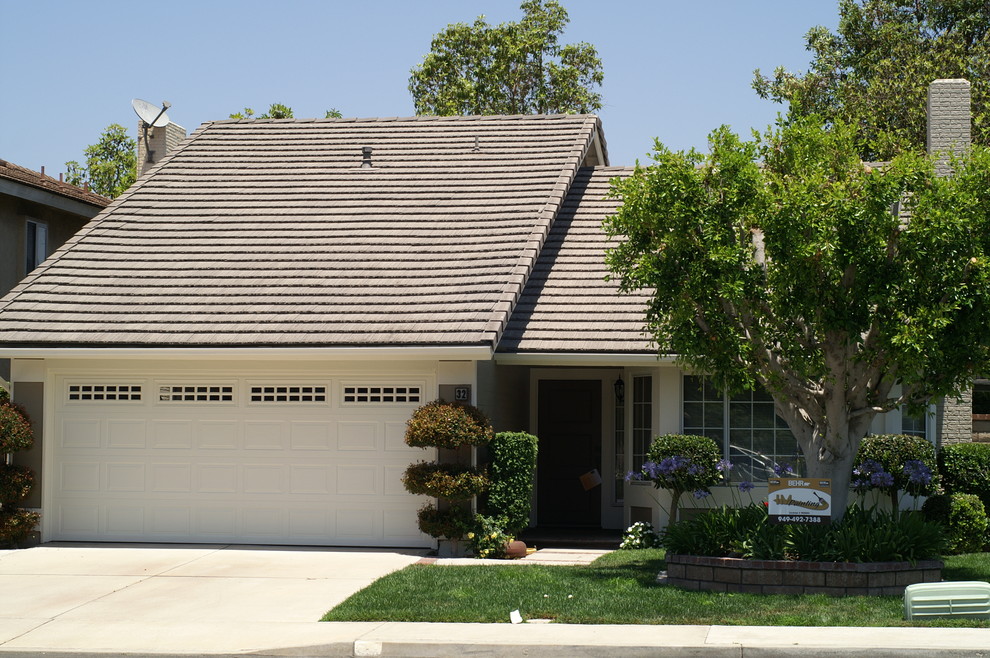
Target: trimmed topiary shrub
x: 15, y: 428
x: 16, y: 483
x: 448, y: 481
x: 965, y: 468
x: 963, y: 517
x: 446, y: 425
x: 683, y: 462
x: 892, y: 463
x: 452, y: 523
x: 512, y: 462
x: 16, y: 525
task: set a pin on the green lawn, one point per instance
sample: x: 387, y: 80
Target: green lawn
x: 619, y: 588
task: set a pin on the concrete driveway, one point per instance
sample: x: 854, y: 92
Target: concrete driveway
x: 178, y: 598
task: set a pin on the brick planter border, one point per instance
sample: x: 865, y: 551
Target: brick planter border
x: 729, y: 574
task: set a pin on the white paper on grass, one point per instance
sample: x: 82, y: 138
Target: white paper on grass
x: 515, y: 617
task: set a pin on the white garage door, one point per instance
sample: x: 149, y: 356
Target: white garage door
x: 288, y: 461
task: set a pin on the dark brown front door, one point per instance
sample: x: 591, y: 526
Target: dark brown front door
x: 570, y: 431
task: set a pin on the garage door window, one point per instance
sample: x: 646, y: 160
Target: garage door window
x: 288, y: 394
x: 104, y: 393
x: 382, y: 394
x: 195, y: 393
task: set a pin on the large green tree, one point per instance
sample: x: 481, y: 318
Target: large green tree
x: 875, y: 70
x: 111, y: 163
x: 510, y: 68
x: 796, y: 274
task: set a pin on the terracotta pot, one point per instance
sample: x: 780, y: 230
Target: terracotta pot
x: 515, y: 549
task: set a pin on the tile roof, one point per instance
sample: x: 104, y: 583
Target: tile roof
x: 10, y: 171
x: 269, y: 232
x: 567, y: 305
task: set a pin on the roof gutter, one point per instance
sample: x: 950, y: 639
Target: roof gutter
x: 429, y: 353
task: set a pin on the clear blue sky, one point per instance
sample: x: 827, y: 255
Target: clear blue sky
x: 674, y: 70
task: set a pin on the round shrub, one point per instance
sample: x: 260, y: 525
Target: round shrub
x: 16, y: 525
x: 488, y: 537
x: 15, y: 428
x: 15, y: 484
x: 448, y: 481
x: 684, y: 462
x: 512, y: 462
x: 892, y: 463
x: 446, y: 425
x: 451, y: 523
x: 963, y: 517
x: 965, y: 468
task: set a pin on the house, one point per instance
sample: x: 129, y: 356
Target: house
x: 37, y: 215
x: 229, y: 352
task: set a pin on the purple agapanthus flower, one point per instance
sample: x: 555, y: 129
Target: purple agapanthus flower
x: 782, y: 469
x: 701, y: 493
x: 746, y: 486
x: 651, y: 469
x: 917, y: 472
x: 723, y: 466
x: 882, y: 479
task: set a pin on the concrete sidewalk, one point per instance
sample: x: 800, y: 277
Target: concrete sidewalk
x: 72, y: 600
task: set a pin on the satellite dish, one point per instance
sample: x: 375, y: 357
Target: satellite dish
x: 152, y: 115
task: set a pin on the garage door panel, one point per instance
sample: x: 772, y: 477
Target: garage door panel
x: 126, y: 434
x: 218, y: 434
x: 358, y: 435
x: 81, y: 433
x: 309, y: 471
x: 312, y: 435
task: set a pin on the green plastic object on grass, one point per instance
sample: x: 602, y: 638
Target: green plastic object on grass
x: 965, y: 599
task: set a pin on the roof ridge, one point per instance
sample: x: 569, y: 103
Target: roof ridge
x: 425, y: 118
x: 541, y: 229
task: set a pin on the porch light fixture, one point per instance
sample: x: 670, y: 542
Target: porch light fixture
x: 620, y: 390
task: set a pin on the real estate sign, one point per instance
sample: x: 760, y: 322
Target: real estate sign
x: 799, y: 500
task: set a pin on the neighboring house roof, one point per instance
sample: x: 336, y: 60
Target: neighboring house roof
x: 568, y: 305
x: 11, y: 172
x: 271, y: 233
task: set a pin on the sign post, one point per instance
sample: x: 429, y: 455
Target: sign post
x: 799, y: 500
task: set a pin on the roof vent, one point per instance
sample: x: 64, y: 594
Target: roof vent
x: 365, y: 157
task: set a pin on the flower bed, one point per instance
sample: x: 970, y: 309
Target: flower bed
x: 727, y: 574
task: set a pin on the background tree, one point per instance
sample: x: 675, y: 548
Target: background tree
x: 511, y: 68
x: 874, y: 72
x: 796, y: 275
x: 279, y: 111
x: 111, y: 163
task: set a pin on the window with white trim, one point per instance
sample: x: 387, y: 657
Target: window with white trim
x: 373, y: 394
x: 288, y: 394
x: 642, y: 419
x: 104, y: 393
x: 752, y: 436
x: 201, y: 393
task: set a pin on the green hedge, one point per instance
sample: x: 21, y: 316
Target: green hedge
x: 512, y: 463
x: 964, y: 518
x: 447, y: 425
x: 965, y: 468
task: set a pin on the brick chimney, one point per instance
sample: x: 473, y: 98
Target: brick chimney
x: 948, y: 120
x: 154, y: 144
x: 949, y: 132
